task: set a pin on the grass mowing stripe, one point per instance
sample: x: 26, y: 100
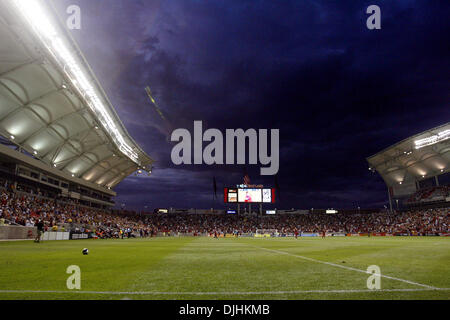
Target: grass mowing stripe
x: 224, y: 293
x: 344, y: 267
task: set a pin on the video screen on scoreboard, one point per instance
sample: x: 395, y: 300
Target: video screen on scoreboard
x: 250, y: 195
x: 232, y: 195
x: 267, y: 195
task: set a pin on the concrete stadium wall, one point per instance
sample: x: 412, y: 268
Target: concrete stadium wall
x: 16, y: 232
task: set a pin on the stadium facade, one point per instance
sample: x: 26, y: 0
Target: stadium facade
x: 58, y: 129
x: 420, y: 162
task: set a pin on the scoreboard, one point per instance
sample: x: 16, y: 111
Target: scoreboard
x: 249, y: 195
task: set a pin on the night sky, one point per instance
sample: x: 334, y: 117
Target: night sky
x: 337, y: 91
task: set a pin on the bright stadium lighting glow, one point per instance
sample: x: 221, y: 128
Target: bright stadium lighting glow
x: 441, y: 136
x: 12, y: 137
x: 36, y: 16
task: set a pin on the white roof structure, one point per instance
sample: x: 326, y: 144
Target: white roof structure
x: 51, y: 104
x: 419, y: 157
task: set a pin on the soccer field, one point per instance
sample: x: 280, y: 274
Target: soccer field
x: 228, y: 268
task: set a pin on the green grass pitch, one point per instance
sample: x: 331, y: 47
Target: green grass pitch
x: 228, y: 268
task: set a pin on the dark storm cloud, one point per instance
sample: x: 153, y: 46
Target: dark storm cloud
x: 337, y: 91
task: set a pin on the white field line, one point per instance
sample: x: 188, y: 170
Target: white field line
x: 344, y: 267
x: 215, y: 293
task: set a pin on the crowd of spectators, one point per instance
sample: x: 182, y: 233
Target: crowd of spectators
x: 410, y: 222
x: 27, y: 210
x: 57, y: 215
x: 430, y: 194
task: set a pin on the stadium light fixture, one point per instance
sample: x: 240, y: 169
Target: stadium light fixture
x: 35, y: 152
x: 441, y: 136
x: 12, y: 137
x: 39, y: 20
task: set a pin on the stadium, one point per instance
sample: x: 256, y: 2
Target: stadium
x: 64, y: 150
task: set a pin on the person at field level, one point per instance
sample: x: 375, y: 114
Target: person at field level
x: 40, y: 230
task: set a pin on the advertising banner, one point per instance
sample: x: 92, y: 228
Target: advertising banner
x: 80, y: 235
x: 52, y: 235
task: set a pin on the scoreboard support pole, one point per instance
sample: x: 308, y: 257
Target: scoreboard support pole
x: 260, y: 209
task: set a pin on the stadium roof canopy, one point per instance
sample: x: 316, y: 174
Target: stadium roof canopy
x: 419, y: 157
x: 51, y: 104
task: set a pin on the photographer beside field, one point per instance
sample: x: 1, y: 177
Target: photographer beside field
x: 40, y: 230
